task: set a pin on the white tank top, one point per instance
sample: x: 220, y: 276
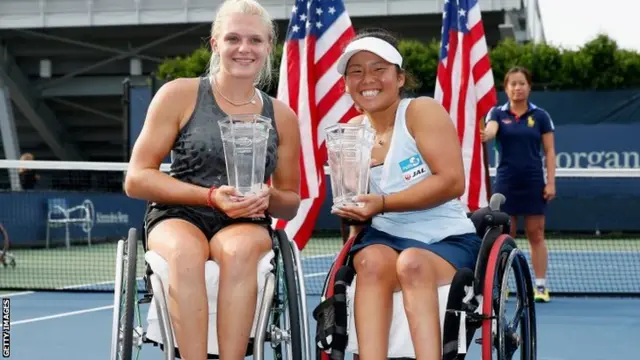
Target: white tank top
x: 403, y: 167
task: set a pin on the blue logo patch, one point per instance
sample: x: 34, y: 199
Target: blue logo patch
x: 410, y: 163
x: 412, y: 168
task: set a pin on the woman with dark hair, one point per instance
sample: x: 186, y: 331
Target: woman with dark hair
x: 419, y: 234
x: 523, y: 131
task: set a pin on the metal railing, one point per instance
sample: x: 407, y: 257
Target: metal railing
x: 61, y: 13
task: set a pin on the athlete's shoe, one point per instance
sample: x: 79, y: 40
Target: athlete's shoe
x: 542, y: 294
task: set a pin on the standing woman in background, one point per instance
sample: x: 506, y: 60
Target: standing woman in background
x: 522, y: 131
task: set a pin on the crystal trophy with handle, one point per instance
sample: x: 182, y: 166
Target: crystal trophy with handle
x: 245, y: 139
x: 349, y: 151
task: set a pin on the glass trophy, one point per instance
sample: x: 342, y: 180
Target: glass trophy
x: 349, y: 151
x: 245, y: 139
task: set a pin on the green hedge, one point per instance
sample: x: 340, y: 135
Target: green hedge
x: 599, y: 64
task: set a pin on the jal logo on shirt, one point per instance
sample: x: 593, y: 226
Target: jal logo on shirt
x: 412, y: 168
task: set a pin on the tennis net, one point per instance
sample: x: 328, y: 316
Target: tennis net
x: 592, y: 230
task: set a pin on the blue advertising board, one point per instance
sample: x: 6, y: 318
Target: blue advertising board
x: 24, y: 216
x: 581, y: 146
x: 583, y: 204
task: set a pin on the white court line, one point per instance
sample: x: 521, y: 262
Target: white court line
x: 318, y: 256
x: 315, y: 275
x: 26, y: 321
x: 16, y: 294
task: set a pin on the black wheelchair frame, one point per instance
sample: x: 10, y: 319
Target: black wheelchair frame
x: 283, y: 320
x: 478, y: 296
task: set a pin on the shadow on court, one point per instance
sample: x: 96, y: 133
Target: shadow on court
x: 78, y: 327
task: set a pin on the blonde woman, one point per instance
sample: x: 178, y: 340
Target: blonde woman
x: 195, y: 216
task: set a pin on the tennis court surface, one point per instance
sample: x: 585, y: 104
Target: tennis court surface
x: 77, y: 325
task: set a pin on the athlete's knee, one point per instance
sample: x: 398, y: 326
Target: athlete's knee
x: 181, y: 245
x: 241, y: 247
x: 414, y: 268
x: 375, y: 264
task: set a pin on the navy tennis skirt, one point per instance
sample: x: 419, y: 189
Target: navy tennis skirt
x: 522, y: 200
x: 461, y: 251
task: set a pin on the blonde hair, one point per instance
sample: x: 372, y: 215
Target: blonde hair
x: 247, y: 7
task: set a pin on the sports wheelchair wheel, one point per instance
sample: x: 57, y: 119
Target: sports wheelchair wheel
x: 125, y: 301
x: 6, y: 258
x: 508, y: 336
x: 289, y: 301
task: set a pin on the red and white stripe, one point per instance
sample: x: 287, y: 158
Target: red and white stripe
x: 466, y: 89
x: 310, y: 84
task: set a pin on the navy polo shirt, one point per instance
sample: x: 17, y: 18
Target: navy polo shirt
x: 519, y: 142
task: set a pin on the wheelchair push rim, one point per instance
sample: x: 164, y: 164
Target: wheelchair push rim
x: 498, y: 332
x: 125, y: 336
x: 287, y: 325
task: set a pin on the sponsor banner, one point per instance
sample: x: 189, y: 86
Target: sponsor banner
x: 606, y: 146
x: 26, y: 216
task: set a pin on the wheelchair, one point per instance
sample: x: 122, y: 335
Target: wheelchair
x: 281, y: 311
x: 476, y: 300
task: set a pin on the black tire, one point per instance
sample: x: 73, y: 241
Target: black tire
x: 291, y: 286
x: 523, y: 296
x: 129, y: 295
x: 4, y: 245
x: 529, y: 333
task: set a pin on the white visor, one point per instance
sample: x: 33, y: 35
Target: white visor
x: 373, y: 45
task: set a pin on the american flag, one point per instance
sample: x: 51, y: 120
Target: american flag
x: 466, y: 89
x: 310, y: 84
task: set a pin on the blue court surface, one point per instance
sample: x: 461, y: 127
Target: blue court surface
x: 77, y: 326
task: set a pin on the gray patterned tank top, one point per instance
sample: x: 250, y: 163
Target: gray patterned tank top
x: 198, y: 154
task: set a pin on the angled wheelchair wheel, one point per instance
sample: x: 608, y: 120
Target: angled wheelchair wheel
x: 124, y: 336
x: 6, y: 258
x: 507, y: 337
x: 288, y: 323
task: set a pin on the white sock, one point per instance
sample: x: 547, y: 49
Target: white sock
x: 541, y: 282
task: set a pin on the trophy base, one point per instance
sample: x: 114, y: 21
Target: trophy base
x: 246, y: 191
x: 338, y: 203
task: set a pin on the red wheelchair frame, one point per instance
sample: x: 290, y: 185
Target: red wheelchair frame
x: 483, y: 310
